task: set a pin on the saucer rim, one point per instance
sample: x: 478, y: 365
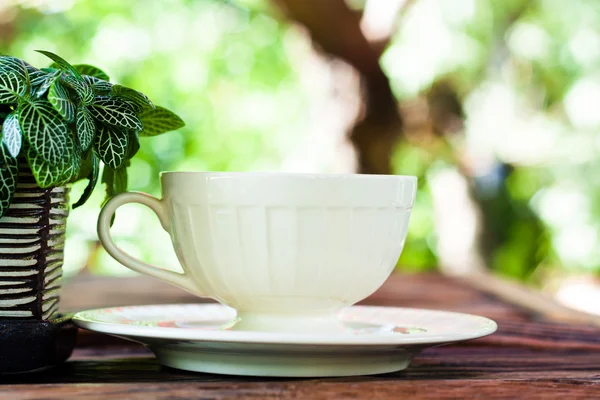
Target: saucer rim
x: 486, y: 327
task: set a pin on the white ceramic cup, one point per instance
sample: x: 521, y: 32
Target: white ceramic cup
x: 287, y: 251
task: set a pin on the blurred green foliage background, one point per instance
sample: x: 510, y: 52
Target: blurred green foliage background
x: 500, y: 101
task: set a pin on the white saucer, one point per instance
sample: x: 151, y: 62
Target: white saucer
x: 194, y: 337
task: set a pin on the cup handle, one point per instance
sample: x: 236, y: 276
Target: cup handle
x: 175, y: 278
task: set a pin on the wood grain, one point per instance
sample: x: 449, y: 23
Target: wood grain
x: 520, y: 295
x: 529, y: 357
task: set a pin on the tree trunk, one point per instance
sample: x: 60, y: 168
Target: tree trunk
x: 336, y: 30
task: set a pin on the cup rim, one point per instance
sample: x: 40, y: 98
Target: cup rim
x: 289, y: 174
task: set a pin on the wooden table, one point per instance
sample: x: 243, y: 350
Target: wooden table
x: 529, y: 357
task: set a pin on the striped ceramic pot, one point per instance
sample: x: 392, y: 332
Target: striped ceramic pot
x: 32, y: 237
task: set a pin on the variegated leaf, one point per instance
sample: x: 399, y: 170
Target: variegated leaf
x: 116, y: 113
x: 102, y: 98
x: 82, y: 89
x: 93, y: 179
x: 11, y: 134
x: 90, y: 70
x: 86, y: 129
x: 159, y: 120
x: 139, y: 101
x: 98, y: 85
x: 9, y: 171
x: 41, y: 83
x: 14, y: 80
x: 45, y: 130
x: 47, y: 174
x: 16, y: 64
x: 35, y: 75
x: 111, y: 145
x: 60, y: 63
x: 59, y: 97
x: 72, y: 164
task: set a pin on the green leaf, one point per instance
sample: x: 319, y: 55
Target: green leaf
x: 98, y: 85
x: 108, y: 178
x: 14, y: 80
x: 159, y: 120
x: 116, y: 182
x: 133, y: 145
x: 111, y: 145
x: 120, y: 180
x: 93, y: 179
x: 9, y: 170
x: 60, y: 63
x: 12, y: 137
x: 33, y: 72
x: 139, y: 101
x: 47, y: 174
x: 59, y: 97
x: 86, y: 129
x: 84, y: 92
x: 116, y: 113
x: 35, y: 75
x: 41, y: 83
x: 90, y: 70
x: 45, y: 130
x: 72, y: 164
x: 86, y: 164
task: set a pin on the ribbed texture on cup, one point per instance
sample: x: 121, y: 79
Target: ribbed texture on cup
x: 260, y: 257
x: 32, y: 236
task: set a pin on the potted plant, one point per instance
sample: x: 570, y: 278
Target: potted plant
x: 58, y: 125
